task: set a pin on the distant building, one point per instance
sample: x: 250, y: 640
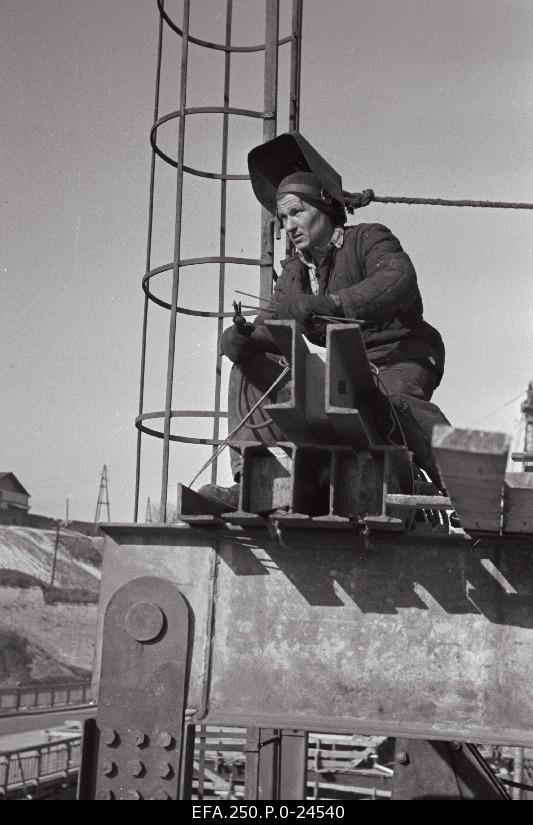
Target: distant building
x: 14, y: 500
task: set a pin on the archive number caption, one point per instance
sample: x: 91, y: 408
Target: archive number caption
x: 302, y: 812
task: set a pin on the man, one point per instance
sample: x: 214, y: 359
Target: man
x: 358, y: 272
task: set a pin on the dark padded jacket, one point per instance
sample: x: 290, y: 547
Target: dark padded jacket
x: 376, y: 283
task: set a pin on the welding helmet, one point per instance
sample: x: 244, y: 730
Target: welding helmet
x: 281, y: 160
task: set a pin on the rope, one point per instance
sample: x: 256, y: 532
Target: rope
x: 356, y: 200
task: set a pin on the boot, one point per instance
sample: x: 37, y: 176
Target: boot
x: 226, y: 497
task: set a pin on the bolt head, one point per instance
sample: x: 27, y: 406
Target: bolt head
x: 403, y: 758
x: 105, y: 795
x: 165, y: 739
x: 137, y: 737
x: 161, y: 795
x: 109, y: 736
x: 164, y: 770
x: 108, y: 767
x: 455, y: 746
x: 132, y: 795
x: 135, y: 767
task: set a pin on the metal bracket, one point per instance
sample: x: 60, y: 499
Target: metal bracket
x: 134, y: 748
x: 426, y: 769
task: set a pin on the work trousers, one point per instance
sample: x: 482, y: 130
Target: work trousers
x: 408, y: 386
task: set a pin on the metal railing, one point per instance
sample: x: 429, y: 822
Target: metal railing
x: 333, y: 769
x: 44, y: 696
x: 25, y: 770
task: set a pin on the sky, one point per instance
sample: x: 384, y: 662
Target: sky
x: 408, y: 97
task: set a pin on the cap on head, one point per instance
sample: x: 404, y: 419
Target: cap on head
x: 308, y: 187
x: 290, y: 165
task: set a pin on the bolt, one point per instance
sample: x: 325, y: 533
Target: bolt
x: 105, y: 795
x: 135, y: 767
x: 164, y: 770
x: 137, y: 737
x: 403, y: 758
x: 160, y: 795
x: 108, y: 767
x: 132, y: 795
x: 144, y: 621
x: 455, y: 746
x: 165, y: 739
x: 109, y: 736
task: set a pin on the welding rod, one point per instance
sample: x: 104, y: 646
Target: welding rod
x: 334, y: 318
x: 259, y: 309
x: 257, y: 297
x: 339, y: 319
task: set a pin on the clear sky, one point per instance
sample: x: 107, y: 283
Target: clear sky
x: 408, y: 97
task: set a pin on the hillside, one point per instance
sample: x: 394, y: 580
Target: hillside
x: 29, y: 553
x: 40, y: 641
x: 24, y: 662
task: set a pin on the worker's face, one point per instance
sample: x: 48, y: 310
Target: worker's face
x: 307, y: 227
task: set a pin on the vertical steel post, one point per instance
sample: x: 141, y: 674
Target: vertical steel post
x: 148, y: 266
x: 262, y: 763
x: 518, y: 772
x: 187, y: 771
x: 293, y: 764
x: 527, y: 410
x: 269, y: 132
x: 222, y: 233
x: 176, y: 267
x: 296, y: 65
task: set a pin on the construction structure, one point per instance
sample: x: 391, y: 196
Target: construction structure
x: 358, y: 609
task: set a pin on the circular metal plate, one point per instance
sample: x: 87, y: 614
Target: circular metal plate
x: 144, y: 621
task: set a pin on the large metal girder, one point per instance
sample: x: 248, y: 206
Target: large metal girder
x: 320, y: 402
x: 136, y: 743
x: 309, y: 485
x: 276, y: 764
x: 424, y: 637
x: 442, y: 770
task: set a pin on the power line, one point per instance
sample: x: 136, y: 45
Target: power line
x: 497, y: 409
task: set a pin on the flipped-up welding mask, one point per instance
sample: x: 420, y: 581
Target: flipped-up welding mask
x: 281, y: 161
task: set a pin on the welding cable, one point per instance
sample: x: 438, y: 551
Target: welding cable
x: 394, y: 416
x: 281, y: 376
x: 243, y: 387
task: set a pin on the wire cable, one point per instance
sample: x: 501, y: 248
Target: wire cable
x: 356, y: 200
x: 241, y: 423
x: 498, y: 409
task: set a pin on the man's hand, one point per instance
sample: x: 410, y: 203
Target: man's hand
x: 303, y: 307
x: 234, y: 344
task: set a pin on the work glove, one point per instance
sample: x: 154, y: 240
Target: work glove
x: 303, y: 307
x: 235, y: 345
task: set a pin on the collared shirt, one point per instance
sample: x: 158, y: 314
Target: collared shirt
x: 337, y: 240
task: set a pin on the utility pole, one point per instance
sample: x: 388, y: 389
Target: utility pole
x: 527, y: 410
x: 56, y: 546
x: 103, y: 496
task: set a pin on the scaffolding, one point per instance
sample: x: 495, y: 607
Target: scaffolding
x: 159, y: 423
